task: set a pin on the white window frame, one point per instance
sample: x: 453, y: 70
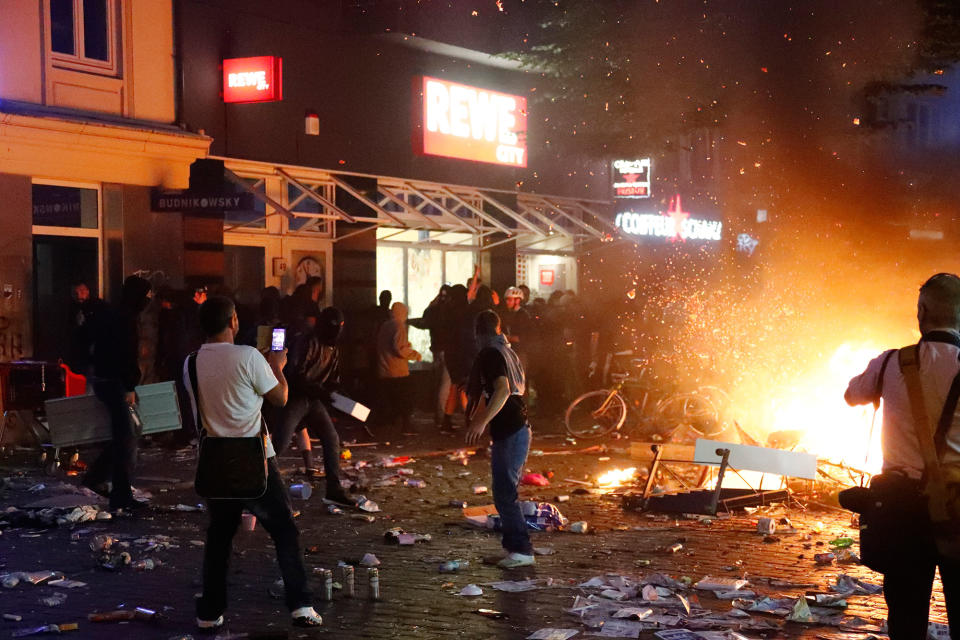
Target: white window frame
x: 78, y: 61
x: 75, y: 232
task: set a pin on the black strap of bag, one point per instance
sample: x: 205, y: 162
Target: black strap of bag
x: 227, y: 468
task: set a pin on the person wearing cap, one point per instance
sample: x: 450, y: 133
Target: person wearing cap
x: 515, y: 319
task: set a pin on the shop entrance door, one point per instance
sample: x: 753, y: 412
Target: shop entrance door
x: 59, y: 262
x: 244, y: 270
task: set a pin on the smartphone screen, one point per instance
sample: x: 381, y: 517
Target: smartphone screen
x: 279, y: 339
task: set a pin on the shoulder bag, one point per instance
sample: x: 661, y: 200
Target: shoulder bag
x: 227, y: 468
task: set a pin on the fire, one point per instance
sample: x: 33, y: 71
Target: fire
x: 616, y: 478
x: 815, y: 408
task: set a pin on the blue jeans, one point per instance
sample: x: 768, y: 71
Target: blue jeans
x: 507, y: 458
x: 312, y: 410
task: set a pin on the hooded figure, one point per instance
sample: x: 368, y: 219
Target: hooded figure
x: 117, y: 374
x: 393, y: 346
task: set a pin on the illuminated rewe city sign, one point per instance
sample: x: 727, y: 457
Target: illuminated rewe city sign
x: 631, y: 178
x: 459, y: 121
x: 257, y: 79
x: 674, y: 224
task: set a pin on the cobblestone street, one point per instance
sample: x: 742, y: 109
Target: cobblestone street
x: 417, y: 601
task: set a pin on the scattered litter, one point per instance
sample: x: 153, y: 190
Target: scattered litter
x: 578, y: 527
x: 842, y: 543
x: 452, y: 566
x: 367, y: 505
x: 12, y: 617
x: 369, y: 560
x: 720, y: 584
x: 544, y: 551
x: 471, y: 590
x: 363, y: 516
x: 47, y: 628
x: 479, y: 489
x: 766, y: 526
x: 416, y: 484
x: 849, y: 585
x: 491, y: 613
x: 801, y: 612
x: 63, y: 583
x: 562, y: 498
x: 620, y: 629
x: 535, y: 479
x: 553, y: 634
x: 516, y: 586
x: 633, y: 613
x: 53, y: 600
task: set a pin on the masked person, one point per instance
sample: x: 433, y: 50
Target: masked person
x: 901, y: 539
x: 313, y: 370
x: 116, y: 371
x: 495, y: 393
x: 232, y: 381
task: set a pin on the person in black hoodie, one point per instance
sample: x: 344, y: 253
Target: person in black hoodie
x: 116, y: 375
x: 313, y: 371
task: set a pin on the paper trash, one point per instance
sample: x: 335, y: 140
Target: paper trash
x: 553, y: 634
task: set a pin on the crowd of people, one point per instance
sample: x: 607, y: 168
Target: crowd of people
x: 236, y: 383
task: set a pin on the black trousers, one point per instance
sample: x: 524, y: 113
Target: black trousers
x: 907, y: 590
x: 396, y: 401
x: 273, y: 511
x: 298, y: 409
x: 118, y: 459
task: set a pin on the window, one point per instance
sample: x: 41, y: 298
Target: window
x: 65, y: 207
x: 84, y: 34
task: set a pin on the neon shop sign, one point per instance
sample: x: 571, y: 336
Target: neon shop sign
x: 631, y: 178
x: 675, y: 224
x: 469, y: 123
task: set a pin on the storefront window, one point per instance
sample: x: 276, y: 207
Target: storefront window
x: 71, y: 207
x: 299, y: 203
x: 255, y: 219
x: 424, y: 277
x: 459, y: 266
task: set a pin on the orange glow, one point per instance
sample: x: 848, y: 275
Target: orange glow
x: 616, y: 478
x: 832, y: 430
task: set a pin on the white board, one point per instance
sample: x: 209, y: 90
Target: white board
x: 745, y: 457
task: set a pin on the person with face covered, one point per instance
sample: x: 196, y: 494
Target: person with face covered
x: 116, y: 375
x: 394, y: 352
x: 313, y: 372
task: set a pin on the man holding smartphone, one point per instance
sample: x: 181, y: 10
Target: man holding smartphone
x: 495, y: 393
x: 232, y: 382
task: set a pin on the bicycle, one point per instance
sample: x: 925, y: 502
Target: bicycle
x: 600, y: 412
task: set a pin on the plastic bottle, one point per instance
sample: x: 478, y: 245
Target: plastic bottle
x: 452, y: 566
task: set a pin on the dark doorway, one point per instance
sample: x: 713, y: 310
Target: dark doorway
x: 59, y: 263
x: 244, y: 271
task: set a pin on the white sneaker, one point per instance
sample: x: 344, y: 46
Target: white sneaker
x: 306, y: 617
x: 209, y: 624
x: 515, y: 560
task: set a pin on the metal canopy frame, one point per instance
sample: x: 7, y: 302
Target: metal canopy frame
x: 439, y: 208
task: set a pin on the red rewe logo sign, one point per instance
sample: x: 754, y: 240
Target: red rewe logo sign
x: 257, y: 79
x: 459, y: 121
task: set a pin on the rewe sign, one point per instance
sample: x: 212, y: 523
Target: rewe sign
x: 460, y: 121
x: 258, y: 79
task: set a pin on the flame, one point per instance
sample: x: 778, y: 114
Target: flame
x: 616, y: 478
x: 814, y: 406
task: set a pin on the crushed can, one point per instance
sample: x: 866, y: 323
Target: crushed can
x: 459, y: 504
x: 766, y: 526
x: 327, y: 594
x: 349, y: 584
x: 373, y: 583
x: 824, y: 558
x: 676, y: 547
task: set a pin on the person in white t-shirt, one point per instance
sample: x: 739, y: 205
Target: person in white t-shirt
x: 232, y: 382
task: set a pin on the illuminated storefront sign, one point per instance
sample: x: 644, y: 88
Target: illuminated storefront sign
x: 631, y: 178
x: 459, y: 121
x: 257, y: 79
x: 674, y: 224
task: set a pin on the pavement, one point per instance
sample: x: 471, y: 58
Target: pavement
x: 416, y: 600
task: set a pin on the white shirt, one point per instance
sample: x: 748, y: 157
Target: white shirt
x: 232, y: 380
x: 939, y: 364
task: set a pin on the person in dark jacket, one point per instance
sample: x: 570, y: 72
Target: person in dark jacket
x: 117, y: 374
x: 434, y: 320
x: 313, y: 372
x: 458, y: 351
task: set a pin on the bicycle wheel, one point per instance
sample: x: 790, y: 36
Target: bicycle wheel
x: 592, y: 415
x: 690, y: 409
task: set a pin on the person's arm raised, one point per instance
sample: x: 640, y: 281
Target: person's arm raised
x: 278, y: 395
